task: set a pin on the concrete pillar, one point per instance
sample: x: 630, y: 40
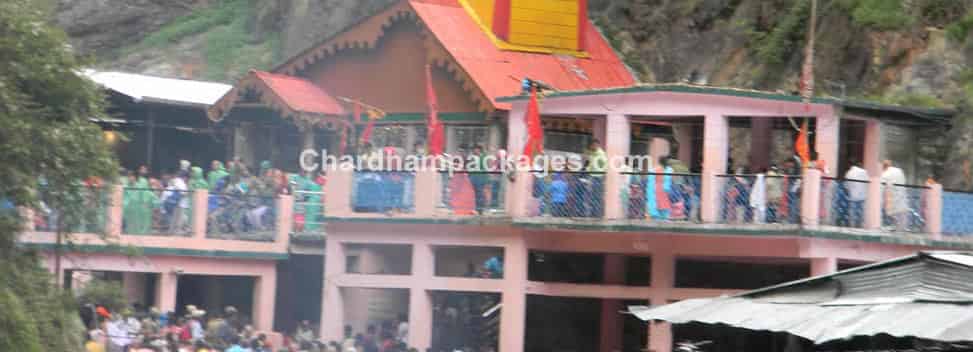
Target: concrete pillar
x: 264, y: 297
x: 811, y: 197
x: 200, y: 210
x: 663, y: 279
x: 824, y: 266
x: 134, y: 285
x: 617, y: 143
x: 827, y: 134
x: 934, y: 211
x: 420, y: 304
x: 716, y: 145
x: 518, y: 193
x: 611, y: 319
x: 873, y: 204
x: 285, y: 221
x: 761, y: 129
x: 165, y: 292
x: 113, y: 224
x: 873, y: 148
x: 338, y: 189
x: 513, y: 314
x: 426, y: 192
x: 684, y: 136
x: 332, y: 307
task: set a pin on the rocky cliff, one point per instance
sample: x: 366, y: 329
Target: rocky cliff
x: 898, y: 51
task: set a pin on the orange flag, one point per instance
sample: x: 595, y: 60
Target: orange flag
x: 535, y: 131
x: 801, y: 146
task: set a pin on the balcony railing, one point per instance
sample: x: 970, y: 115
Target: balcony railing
x: 568, y: 194
x: 661, y: 197
x: 843, y: 202
x: 957, y: 207
x: 472, y: 192
x: 382, y: 191
x: 241, y: 217
x: 158, y: 217
x: 147, y: 211
x: 759, y: 199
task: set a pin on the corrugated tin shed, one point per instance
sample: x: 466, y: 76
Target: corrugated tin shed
x: 926, y: 296
x: 143, y: 88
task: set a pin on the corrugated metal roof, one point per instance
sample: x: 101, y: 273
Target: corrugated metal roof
x: 160, y: 90
x: 927, y: 295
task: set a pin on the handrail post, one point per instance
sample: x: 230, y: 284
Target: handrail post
x: 873, y: 204
x: 811, y: 198
x: 200, y: 209
x: 113, y: 224
x: 285, y: 220
x: 934, y: 210
x: 709, y: 198
x: 338, y: 191
x: 426, y: 192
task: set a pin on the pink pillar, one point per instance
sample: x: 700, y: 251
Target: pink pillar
x: 760, y: 140
x: 826, y: 136
x: 200, y: 210
x: 426, y: 192
x: 611, y: 319
x: 518, y: 192
x: 934, y: 211
x: 165, y: 291
x: 513, y: 314
x: 873, y: 204
x: 617, y: 142
x: 811, y: 197
x: 716, y: 146
x: 264, y: 297
x: 663, y: 279
x: 332, y: 307
x: 134, y: 285
x: 285, y: 221
x: 338, y: 191
x: 684, y: 135
x: 824, y: 266
x: 113, y: 225
x: 420, y: 305
x: 27, y: 214
x: 873, y: 148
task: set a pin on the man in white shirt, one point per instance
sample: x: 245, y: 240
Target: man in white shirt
x: 857, y: 186
x: 895, y: 198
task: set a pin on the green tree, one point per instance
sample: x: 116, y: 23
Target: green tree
x: 45, y: 133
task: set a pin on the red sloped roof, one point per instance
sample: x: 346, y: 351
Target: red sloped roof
x: 299, y: 94
x: 498, y: 72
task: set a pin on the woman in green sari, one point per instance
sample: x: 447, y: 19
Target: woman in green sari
x: 138, y: 202
x: 216, y: 173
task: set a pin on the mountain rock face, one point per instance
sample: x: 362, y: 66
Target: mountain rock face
x: 913, y: 52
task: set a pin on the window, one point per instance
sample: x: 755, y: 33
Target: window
x: 566, y: 142
x: 463, y: 138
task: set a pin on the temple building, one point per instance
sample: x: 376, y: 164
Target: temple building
x: 708, y: 200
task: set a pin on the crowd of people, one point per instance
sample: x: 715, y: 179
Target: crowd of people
x: 569, y: 193
x: 152, y: 331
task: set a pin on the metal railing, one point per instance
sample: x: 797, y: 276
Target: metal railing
x: 759, y: 199
x: 93, y: 201
x: 473, y: 192
x: 903, y: 208
x: 956, y: 213
x: 843, y: 202
x: 234, y: 216
x: 158, y: 212
x: 308, y: 212
x: 382, y: 191
x: 568, y: 194
x: 661, y: 196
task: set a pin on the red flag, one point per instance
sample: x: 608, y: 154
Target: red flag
x: 801, y: 145
x: 435, y: 137
x: 366, y: 135
x: 535, y: 131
